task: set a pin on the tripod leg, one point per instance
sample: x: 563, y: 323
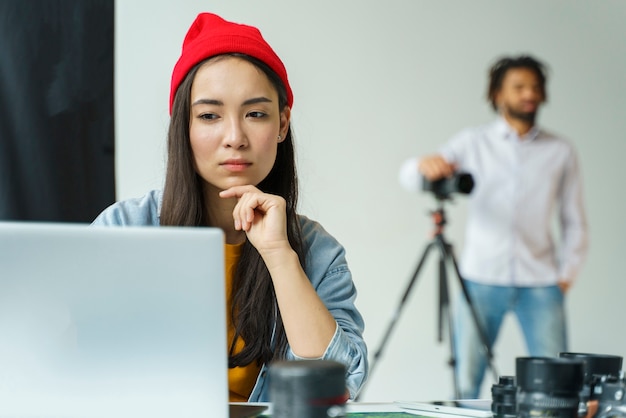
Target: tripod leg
x: 396, y: 314
x: 444, y: 310
x: 443, y: 297
x: 481, y: 330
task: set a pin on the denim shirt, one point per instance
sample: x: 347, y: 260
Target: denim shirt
x: 326, y: 268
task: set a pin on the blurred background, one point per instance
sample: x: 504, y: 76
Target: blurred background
x: 376, y: 83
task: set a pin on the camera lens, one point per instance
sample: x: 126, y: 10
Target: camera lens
x: 307, y: 388
x: 503, y: 395
x: 464, y: 183
x: 548, y: 387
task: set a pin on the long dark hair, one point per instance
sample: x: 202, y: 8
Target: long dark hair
x: 499, y: 69
x: 254, y: 310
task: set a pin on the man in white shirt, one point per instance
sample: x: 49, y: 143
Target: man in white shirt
x: 510, y: 263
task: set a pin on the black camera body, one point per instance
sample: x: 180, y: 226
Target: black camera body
x: 603, y: 383
x: 445, y: 187
x: 610, y: 392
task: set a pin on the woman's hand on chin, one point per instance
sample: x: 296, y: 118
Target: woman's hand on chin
x: 262, y: 216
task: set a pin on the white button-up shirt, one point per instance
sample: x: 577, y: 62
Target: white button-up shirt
x: 520, y: 185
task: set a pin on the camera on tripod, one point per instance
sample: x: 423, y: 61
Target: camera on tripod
x: 574, y: 385
x: 443, y: 188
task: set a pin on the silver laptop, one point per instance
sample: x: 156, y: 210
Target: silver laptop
x: 112, y: 322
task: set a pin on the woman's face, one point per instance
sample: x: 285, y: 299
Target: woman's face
x: 235, y: 123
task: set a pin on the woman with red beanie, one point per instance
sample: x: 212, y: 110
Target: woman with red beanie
x: 231, y: 165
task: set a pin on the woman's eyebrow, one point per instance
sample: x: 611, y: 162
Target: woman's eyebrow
x: 256, y: 100
x: 208, y: 101
x: 215, y: 102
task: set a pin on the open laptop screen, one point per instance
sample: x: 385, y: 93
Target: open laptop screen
x: 112, y: 321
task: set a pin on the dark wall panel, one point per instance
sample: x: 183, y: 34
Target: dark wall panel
x: 56, y: 109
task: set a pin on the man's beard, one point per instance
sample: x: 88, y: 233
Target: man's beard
x: 523, y: 116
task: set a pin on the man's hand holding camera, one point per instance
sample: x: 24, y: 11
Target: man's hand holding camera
x: 441, y: 178
x: 435, y: 167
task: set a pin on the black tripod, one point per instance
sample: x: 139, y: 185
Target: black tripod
x: 445, y: 254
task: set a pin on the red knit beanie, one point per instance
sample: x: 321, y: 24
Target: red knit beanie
x: 210, y: 35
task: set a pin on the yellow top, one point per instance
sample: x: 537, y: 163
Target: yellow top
x: 241, y: 380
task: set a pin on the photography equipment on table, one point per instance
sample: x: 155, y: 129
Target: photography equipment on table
x: 442, y: 189
x: 604, y: 389
x: 548, y: 387
x: 597, y: 367
x: 504, y: 398
x: 610, y: 393
x: 545, y: 387
x: 308, y: 389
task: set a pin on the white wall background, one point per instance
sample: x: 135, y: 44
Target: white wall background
x: 376, y: 82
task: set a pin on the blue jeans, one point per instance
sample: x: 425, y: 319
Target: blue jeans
x: 539, y: 310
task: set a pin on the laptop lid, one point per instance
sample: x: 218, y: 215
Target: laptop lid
x: 112, y: 322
